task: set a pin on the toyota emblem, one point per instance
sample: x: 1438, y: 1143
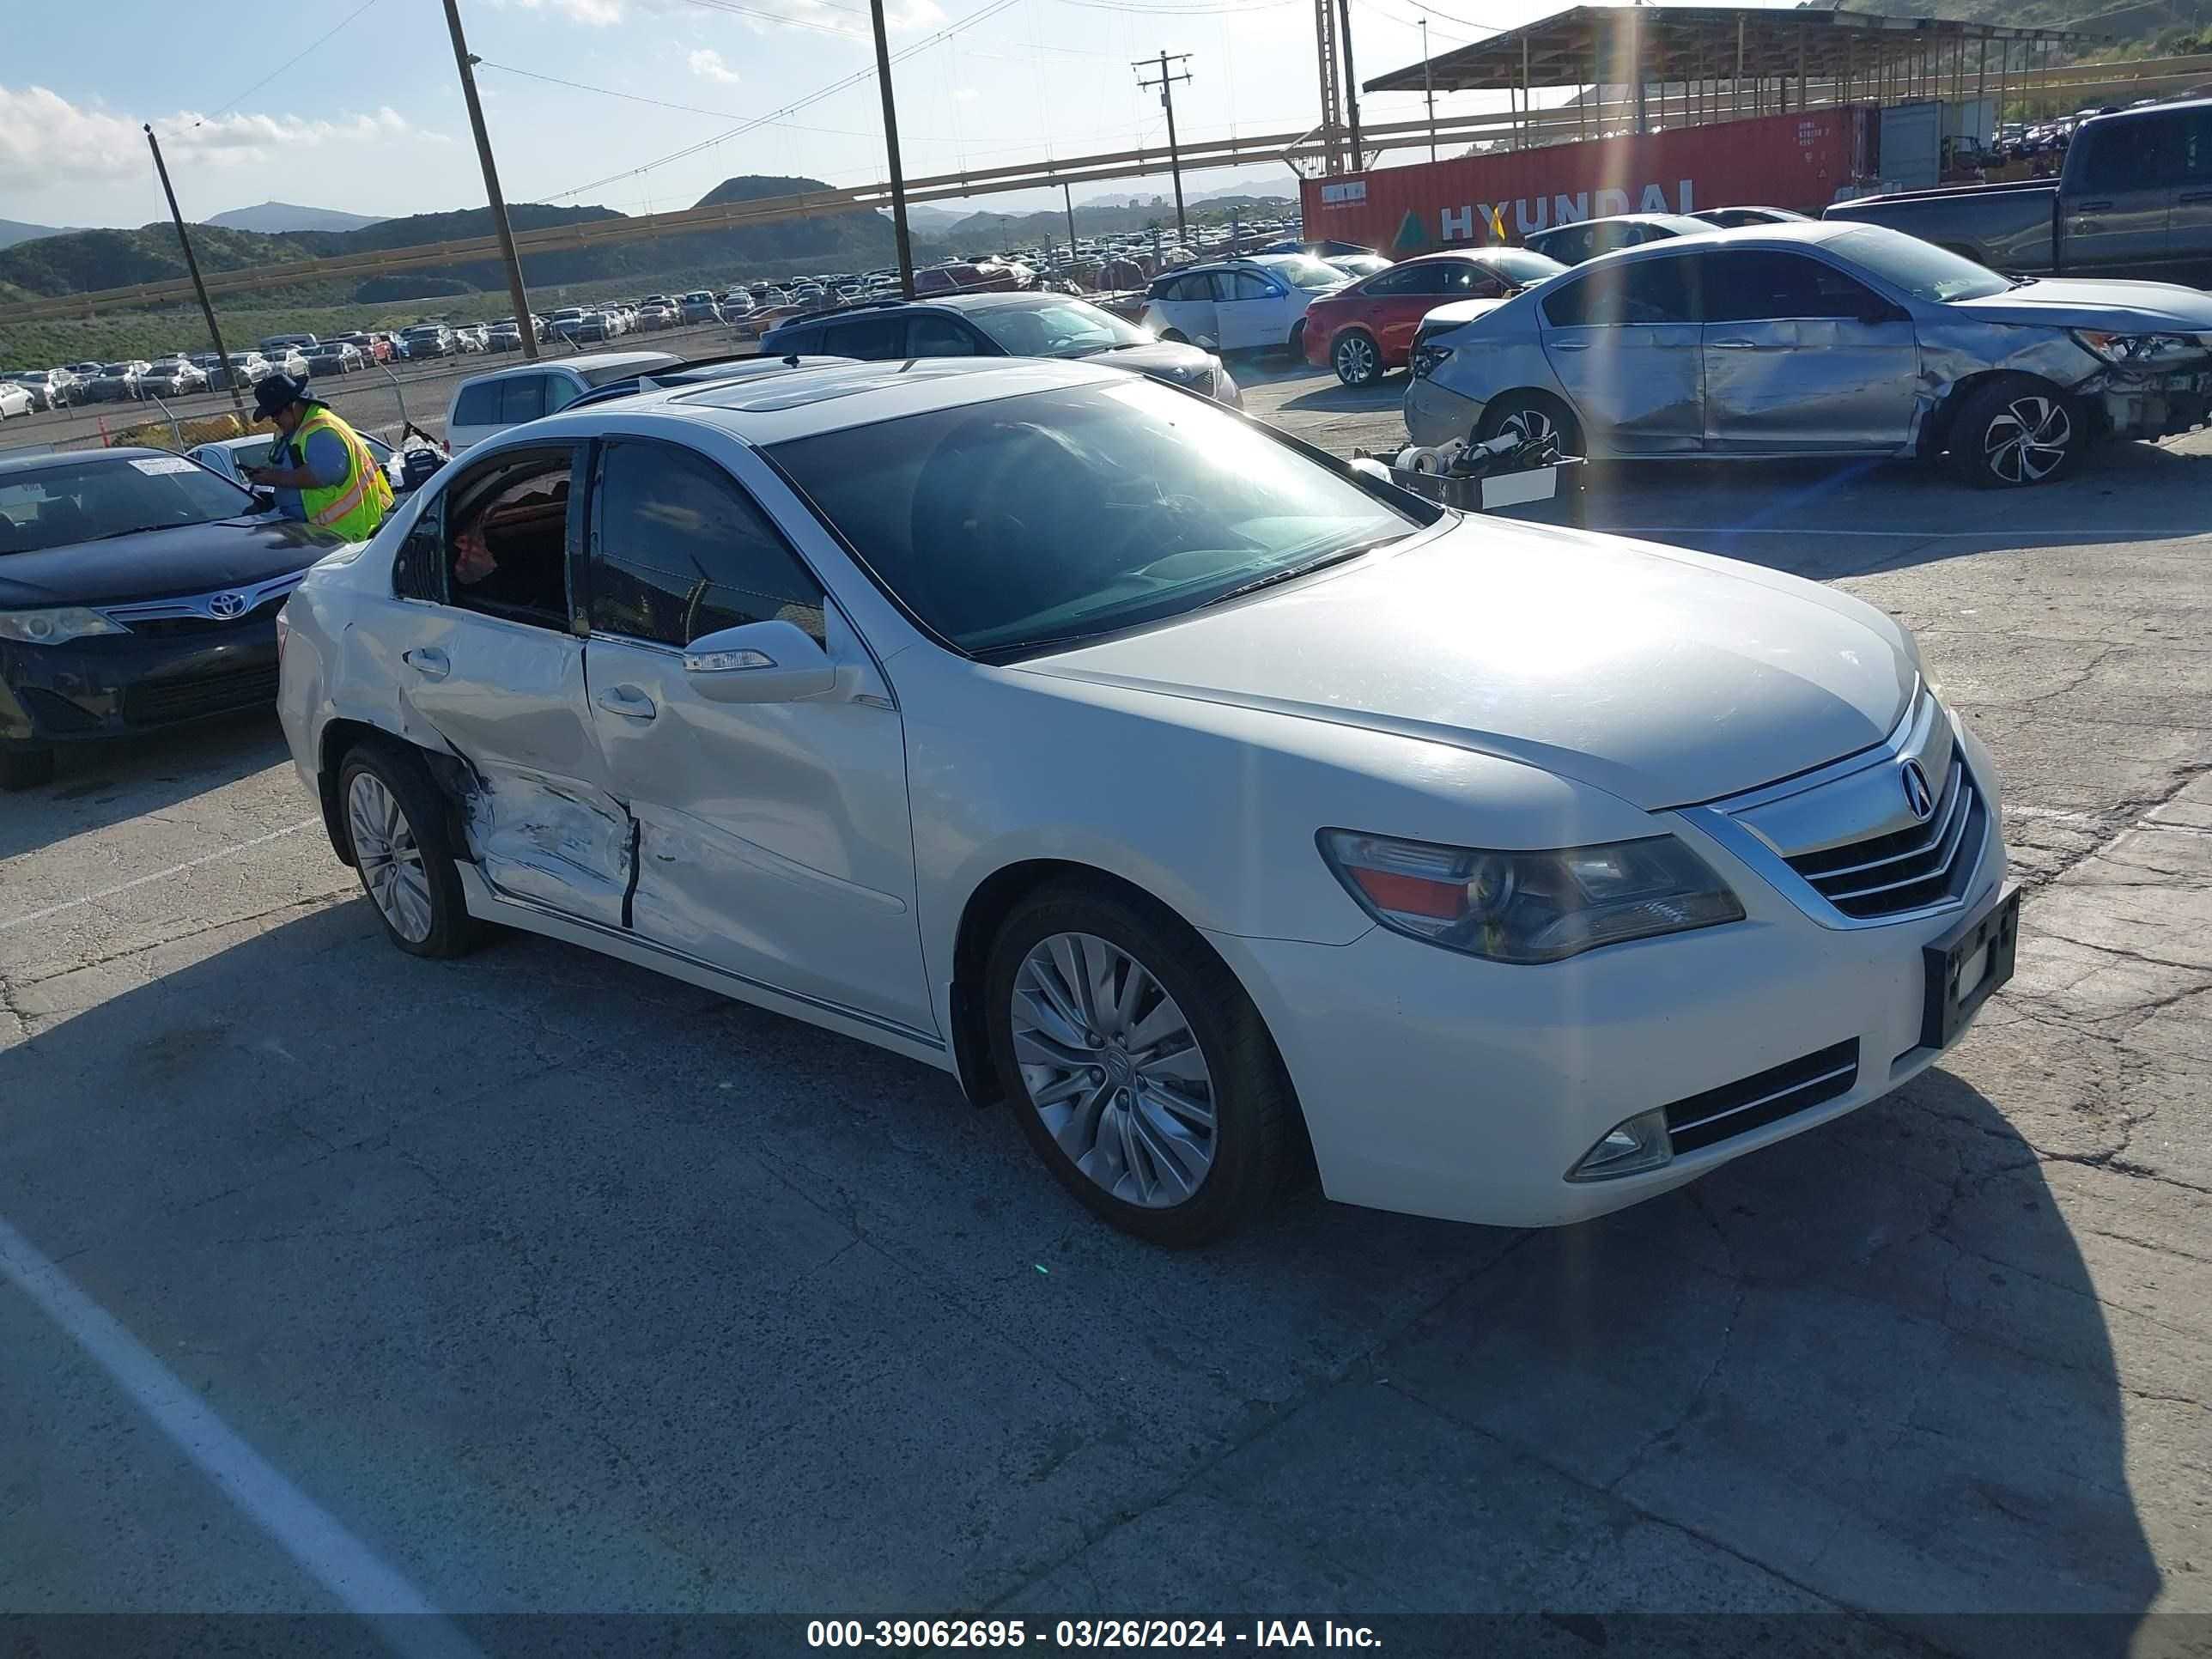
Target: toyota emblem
x: 226, y: 607
x: 1918, y: 795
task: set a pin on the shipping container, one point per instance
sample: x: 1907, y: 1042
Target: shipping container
x: 1797, y: 161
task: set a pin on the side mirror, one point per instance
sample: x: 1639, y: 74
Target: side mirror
x: 264, y: 501
x: 758, y: 662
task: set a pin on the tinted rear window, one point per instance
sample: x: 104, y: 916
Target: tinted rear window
x: 477, y: 405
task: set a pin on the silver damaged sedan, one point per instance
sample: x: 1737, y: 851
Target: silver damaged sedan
x: 1818, y: 339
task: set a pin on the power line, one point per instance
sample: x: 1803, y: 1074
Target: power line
x: 289, y: 62
x: 662, y: 103
x: 859, y: 77
x: 1143, y: 9
x: 736, y: 10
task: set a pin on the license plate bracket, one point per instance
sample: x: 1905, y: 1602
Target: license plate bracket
x: 1983, y: 947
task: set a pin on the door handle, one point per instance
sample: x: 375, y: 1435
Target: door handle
x: 1571, y: 345
x: 2093, y: 207
x: 1733, y: 345
x: 428, y: 661
x: 628, y: 702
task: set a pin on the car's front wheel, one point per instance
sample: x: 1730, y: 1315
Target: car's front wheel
x: 1139, y: 1070
x: 1356, y: 358
x: 2014, y: 432
x: 395, y: 823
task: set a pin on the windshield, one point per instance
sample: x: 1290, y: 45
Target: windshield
x: 83, y: 501
x: 1921, y: 269
x: 1059, y: 328
x: 1007, y: 525
x: 1303, y: 272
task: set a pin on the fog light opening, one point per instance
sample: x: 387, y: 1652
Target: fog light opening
x: 1629, y: 1148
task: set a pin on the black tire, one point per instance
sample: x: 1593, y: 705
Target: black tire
x: 26, y: 766
x: 1255, y: 1129
x: 1529, y: 413
x: 1356, y: 358
x: 1295, y: 348
x: 452, y: 932
x: 2014, y: 432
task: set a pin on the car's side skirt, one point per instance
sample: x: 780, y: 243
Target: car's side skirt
x: 486, y: 905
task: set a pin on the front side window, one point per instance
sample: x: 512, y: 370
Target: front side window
x: 1008, y: 525
x: 2137, y: 154
x: 933, y: 334
x: 1249, y: 285
x: 477, y: 405
x: 505, y: 537
x: 1756, y: 285
x: 679, y: 551
x: 871, y: 339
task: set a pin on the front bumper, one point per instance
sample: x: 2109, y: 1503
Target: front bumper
x: 1435, y: 416
x: 1444, y: 1085
x: 113, y: 685
x: 2144, y: 404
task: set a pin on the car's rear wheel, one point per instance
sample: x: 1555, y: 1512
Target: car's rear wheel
x: 26, y: 766
x: 1530, y: 415
x: 395, y: 823
x: 1138, y: 1067
x: 1356, y: 358
x: 2014, y: 432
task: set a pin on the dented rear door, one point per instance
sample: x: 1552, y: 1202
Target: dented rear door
x: 501, y: 686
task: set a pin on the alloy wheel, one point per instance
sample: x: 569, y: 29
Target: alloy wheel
x: 1113, y: 1068
x: 1528, y: 423
x: 2029, y: 440
x: 1355, y: 360
x: 389, y: 857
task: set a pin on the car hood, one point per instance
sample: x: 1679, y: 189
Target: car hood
x: 1663, y: 677
x: 1182, y: 364
x: 154, y: 564
x: 2112, y: 304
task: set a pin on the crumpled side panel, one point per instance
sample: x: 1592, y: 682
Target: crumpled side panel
x: 552, y: 842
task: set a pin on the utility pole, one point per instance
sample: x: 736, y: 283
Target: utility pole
x: 516, y: 292
x: 891, y: 148
x: 1350, y: 84
x: 1429, y: 88
x: 1166, y: 84
x: 1068, y: 195
x: 192, y: 264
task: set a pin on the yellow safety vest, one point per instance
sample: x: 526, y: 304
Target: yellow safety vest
x: 355, y: 507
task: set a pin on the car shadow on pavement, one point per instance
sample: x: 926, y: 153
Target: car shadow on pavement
x: 570, y: 1286
x: 1336, y: 397
x: 97, y: 785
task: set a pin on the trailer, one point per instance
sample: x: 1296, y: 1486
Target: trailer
x: 1802, y: 160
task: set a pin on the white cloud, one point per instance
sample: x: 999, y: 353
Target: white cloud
x: 598, y: 13
x: 966, y: 95
x: 45, y: 140
x: 706, y: 63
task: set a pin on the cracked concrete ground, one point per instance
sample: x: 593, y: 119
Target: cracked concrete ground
x: 566, y: 1287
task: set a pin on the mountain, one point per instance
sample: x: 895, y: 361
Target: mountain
x: 836, y: 239
x: 13, y: 231
x: 924, y: 217
x: 271, y: 216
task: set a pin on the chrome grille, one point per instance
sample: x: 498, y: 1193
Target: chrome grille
x: 254, y: 599
x: 1908, y: 869
x: 1762, y: 1099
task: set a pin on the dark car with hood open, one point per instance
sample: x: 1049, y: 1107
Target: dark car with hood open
x: 137, y: 590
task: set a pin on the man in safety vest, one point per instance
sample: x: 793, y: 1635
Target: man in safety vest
x: 341, y: 488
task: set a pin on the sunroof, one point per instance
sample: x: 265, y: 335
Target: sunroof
x: 801, y: 388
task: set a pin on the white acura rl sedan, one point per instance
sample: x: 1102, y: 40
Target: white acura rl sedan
x: 1211, y: 806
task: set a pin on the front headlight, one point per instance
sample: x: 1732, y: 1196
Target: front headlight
x: 55, y: 627
x: 1529, y: 907
x: 2143, y: 348
x: 1428, y: 358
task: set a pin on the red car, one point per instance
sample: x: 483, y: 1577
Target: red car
x: 1362, y: 330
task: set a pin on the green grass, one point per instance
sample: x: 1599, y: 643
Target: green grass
x: 158, y: 332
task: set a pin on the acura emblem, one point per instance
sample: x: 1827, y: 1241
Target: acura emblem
x: 225, y: 606
x: 1918, y: 795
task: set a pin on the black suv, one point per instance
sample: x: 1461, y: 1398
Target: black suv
x: 998, y: 326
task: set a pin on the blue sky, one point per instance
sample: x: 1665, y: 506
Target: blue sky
x: 371, y: 119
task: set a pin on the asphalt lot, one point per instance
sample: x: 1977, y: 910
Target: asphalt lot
x: 533, y: 1282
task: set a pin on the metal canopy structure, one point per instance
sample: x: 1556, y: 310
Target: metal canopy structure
x: 1629, y: 45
